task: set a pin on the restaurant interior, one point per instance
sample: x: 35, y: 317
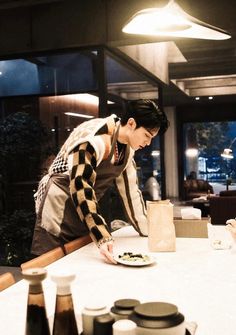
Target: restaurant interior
x: 60, y: 69
x: 63, y: 62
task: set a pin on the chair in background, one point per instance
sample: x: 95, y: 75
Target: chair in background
x: 7, y: 279
x: 44, y: 259
x: 229, y: 193
x: 76, y: 244
x: 222, y: 208
x: 195, y: 188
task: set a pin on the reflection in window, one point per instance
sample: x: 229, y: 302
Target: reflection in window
x: 148, y: 163
x: 210, y: 139
x: 18, y: 77
x: 51, y: 89
x: 49, y: 75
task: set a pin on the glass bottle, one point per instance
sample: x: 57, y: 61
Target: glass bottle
x: 64, y: 317
x: 36, y: 318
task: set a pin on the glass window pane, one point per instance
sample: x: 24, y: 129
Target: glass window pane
x: 209, y: 139
x: 127, y: 83
x: 42, y: 99
x: 49, y: 75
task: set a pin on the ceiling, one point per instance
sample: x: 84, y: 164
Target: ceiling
x: 6, y: 4
x: 210, y: 69
x: 204, y: 58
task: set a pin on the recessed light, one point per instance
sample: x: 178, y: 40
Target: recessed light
x: 155, y: 153
x: 79, y: 115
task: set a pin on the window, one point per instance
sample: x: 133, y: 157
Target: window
x: 209, y: 139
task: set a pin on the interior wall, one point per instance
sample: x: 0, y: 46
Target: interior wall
x: 170, y: 148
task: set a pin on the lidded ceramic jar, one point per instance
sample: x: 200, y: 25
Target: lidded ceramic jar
x: 102, y: 325
x: 124, y: 327
x: 158, y: 318
x: 123, y: 308
x: 89, y: 313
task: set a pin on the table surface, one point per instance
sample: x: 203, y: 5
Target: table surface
x: 198, y: 279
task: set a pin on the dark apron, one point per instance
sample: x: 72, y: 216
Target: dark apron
x: 58, y: 206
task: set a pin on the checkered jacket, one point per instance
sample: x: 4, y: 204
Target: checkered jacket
x: 86, y: 147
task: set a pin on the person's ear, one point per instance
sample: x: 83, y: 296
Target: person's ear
x: 131, y: 123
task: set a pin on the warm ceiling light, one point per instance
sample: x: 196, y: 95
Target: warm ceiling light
x: 191, y: 141
x: 85, y: 98
x: 79, y: 115
x: 155, y: 153
x: 172, y: 20
x: 191, y: 152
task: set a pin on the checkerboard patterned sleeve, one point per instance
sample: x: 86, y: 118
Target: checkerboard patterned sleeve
x: 82, y: 180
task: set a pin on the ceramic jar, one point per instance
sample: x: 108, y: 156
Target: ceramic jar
x: 123, y: 308
x: 158, y: 318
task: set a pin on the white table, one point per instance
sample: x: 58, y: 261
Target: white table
x: 199, y: 280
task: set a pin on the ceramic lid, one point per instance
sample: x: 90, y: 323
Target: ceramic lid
x: 124, y: 306
x: 34, y: 275
x: 156, y: 315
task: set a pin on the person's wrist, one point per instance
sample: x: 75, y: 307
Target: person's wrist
x: 104, y: 240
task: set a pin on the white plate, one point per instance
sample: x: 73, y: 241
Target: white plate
x: 149, y: 261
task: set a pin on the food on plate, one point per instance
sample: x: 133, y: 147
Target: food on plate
x: 133, y: 257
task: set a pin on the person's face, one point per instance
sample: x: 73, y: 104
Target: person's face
x: 140, y: 137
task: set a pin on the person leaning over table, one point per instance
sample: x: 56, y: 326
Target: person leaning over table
x: 97, y: 153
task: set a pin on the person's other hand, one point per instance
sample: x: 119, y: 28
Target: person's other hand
x: 106, y: 250
x: 231, y: 226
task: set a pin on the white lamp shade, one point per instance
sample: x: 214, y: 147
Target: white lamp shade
x: 172, y: 20
x: 227, y: 153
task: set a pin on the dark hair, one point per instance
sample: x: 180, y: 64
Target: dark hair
x: 147, y: 114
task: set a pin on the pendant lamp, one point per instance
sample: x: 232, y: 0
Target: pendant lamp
x: 172, y: 21
x: 228, y: 153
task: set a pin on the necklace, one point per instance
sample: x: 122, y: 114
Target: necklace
x: 119, y: 153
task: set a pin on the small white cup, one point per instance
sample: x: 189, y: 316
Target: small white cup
x: 219, y: 238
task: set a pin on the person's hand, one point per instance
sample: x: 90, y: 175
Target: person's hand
x: 231, y: 226
x: 106, y: 250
